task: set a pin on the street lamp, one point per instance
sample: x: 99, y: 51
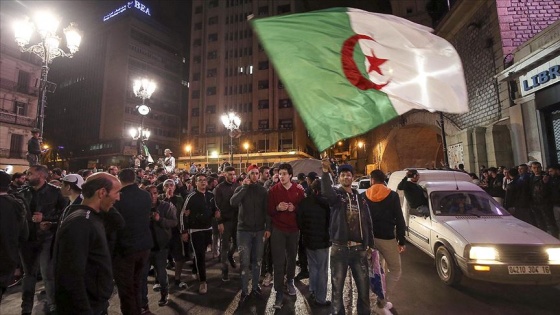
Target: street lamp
x: 231, y: 122
x: 246, y: 146
x: 47, y: 49
x: 142, y: 88
x: 361, y: 145
x: 188, y: 148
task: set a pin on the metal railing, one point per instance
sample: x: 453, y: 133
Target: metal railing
x: 11, y: 118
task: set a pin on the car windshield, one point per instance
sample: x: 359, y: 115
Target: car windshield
x: 475, y: 203
x: 364, y: 184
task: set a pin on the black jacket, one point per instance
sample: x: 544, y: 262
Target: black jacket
x: 49, y: 201
x: 253, y: 203
x: 202, y: 207
x: 13, y: 231
x: 413, y: 192
x: 386, y: 214
x: 222, y: 194
x: 82, y: 264
x: 135, y: 207
x: 313, y: 220
x: 33, y: 146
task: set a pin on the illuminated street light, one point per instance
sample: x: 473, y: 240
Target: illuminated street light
x: 46, y: 25
x: 246, y: 146
x: 231, y: 122
x: 142, y: 88
x: 188, y: 148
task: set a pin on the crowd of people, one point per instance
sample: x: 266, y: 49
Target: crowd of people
x: 86, y: 233
x: 527, y: 191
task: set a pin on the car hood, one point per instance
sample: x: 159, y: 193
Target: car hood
x: 498, y: 230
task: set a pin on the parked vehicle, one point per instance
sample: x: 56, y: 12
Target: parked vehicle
x: 468, y: 233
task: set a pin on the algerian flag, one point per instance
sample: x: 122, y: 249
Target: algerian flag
x: 348, y: 71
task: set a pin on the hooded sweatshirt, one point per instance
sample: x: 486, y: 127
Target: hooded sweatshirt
x: 386, y: 213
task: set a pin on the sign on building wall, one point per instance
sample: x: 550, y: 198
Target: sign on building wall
x: 455, y: 155
x: 130, y: 4
x: 540, y: 77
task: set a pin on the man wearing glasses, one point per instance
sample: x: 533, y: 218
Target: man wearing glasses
x: 253, y: 228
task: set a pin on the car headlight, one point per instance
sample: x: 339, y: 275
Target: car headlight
x: 482, y: 253
x: 553, y: 254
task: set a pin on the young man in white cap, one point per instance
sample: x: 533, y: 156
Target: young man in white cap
x: 169, y: 162
x: 72, y: 188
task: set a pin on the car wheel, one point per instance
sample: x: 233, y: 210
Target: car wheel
x: 447, y: 269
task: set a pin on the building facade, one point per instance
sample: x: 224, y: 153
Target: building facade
x: 94, y: 106
x: 230, y: 72
x: 19, y: 96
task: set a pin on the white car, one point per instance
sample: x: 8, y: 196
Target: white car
x: 361, y: 184
x: 468, y: 233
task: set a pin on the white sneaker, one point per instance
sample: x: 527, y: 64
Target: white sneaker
x: 267, y: 279
x: 203, y: 288
x: 157, y: 287
x: 183, y: 285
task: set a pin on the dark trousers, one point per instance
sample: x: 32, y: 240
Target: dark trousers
x: 302, y: 255
x: 267, y: 266
x: 284, y: 250
x: 200, y: 241
x: 128, y: 271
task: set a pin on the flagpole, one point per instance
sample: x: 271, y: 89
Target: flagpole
x: 444, y: 142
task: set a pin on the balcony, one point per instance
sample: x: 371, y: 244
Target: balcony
x: 6, y: 153
x: 14, y: 86
x: 11, y: 118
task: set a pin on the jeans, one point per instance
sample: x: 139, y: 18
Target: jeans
x: 250, y: 247
x: 318, y: 262
x: 128, y: 271
x: 354, y: 257
x: 227, y: 240
x: 34, y: 255
x: 159, y: 260
x: 284, y: 249
x: 390, y: 256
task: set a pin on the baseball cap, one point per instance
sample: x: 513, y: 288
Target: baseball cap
x: 346, y: 168
x: 252, y: 167
x: 168, y: 182
x: 74, y: 179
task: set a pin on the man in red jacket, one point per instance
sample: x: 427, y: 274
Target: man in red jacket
x: 283, y: 199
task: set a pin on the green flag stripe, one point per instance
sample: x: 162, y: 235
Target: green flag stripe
x: 305, y: 50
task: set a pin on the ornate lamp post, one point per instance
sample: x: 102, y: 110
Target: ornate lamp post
x: 46, y: 25
x: 142, y: 88
x: 232, y: 122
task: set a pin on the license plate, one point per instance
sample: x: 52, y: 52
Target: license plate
x: 529, y: 270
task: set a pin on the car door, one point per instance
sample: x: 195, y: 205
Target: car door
x: 419, y: 231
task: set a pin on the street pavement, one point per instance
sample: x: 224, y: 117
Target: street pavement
x: 222, y: 297
x: 419, y: 292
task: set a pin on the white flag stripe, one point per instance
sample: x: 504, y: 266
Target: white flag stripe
x: 424, y: 70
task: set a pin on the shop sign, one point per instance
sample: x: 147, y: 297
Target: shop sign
x: 540, y: 77
x: 130, y: 4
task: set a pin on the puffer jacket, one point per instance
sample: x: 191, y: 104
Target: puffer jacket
x: 161, y: 230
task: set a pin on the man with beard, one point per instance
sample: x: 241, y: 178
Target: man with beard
x: 45, y: 204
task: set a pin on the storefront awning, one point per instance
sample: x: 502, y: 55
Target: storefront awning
x: 531, y: 61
